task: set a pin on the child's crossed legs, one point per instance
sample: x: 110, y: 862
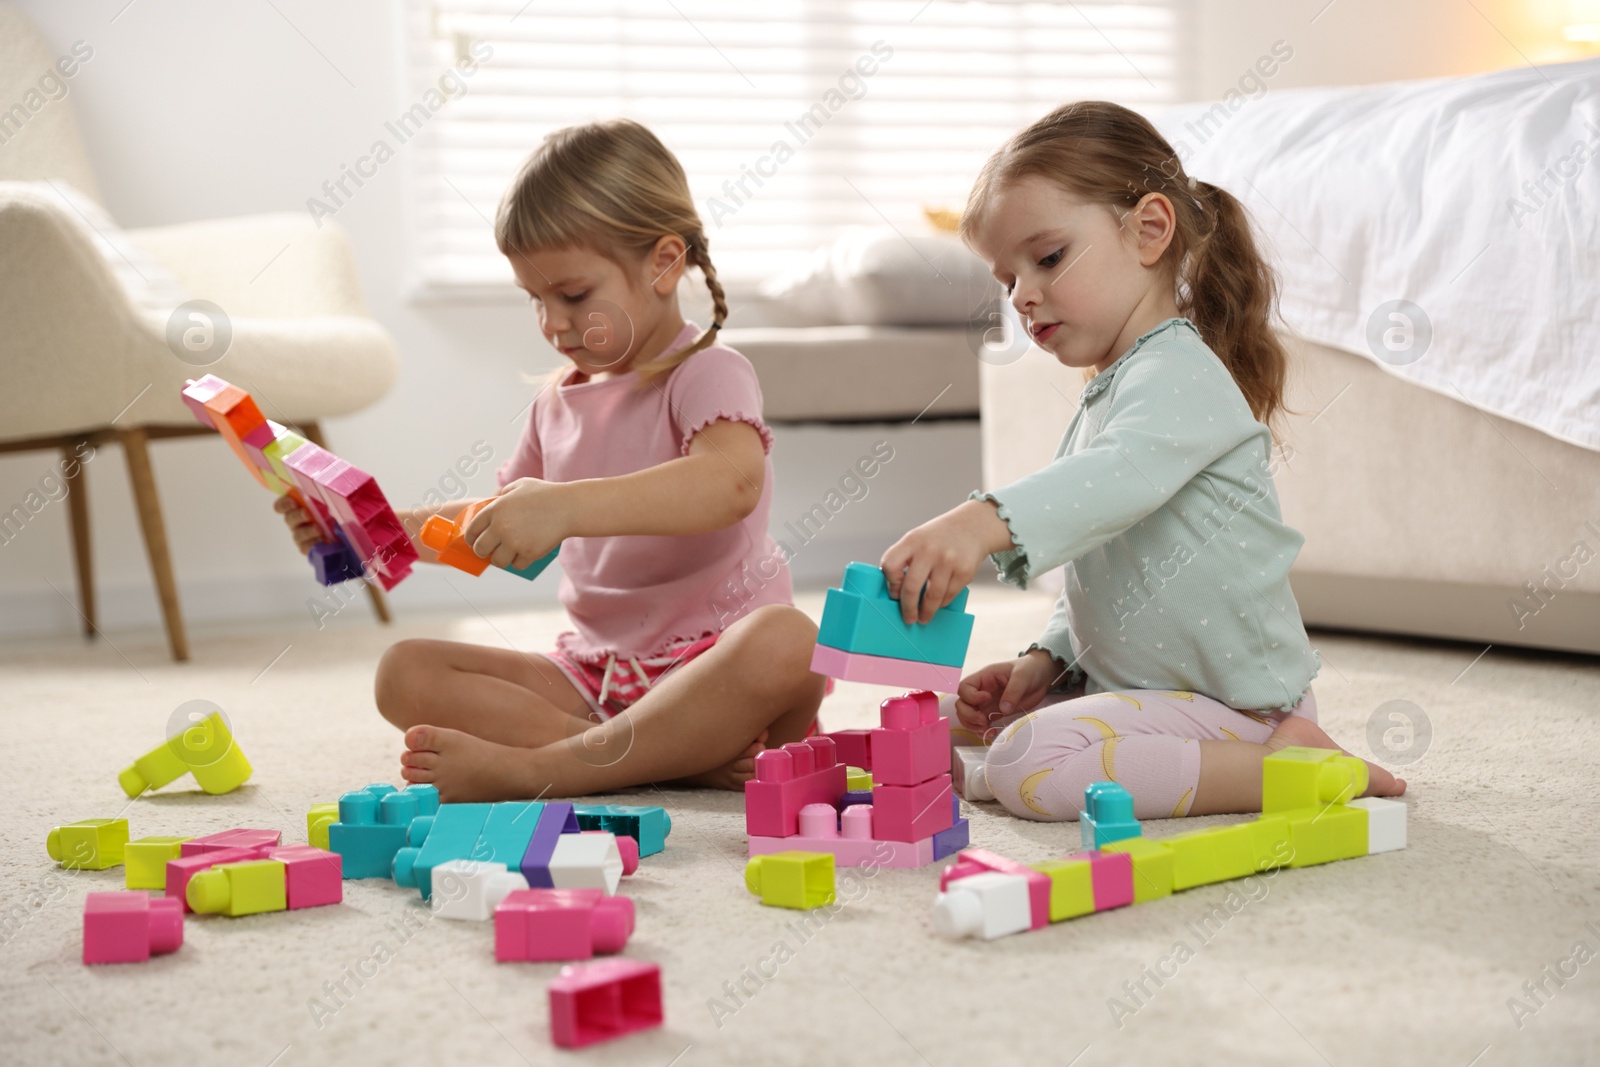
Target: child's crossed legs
x: 1177, y: 753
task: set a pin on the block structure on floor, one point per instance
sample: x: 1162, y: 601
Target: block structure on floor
x: 372, y: 826
x: 1312, y: 816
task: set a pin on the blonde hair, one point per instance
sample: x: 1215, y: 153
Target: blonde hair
x: 614, y: 187
x: 1104, y: 153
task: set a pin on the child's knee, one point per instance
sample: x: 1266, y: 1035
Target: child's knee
x: 777, y: 636
x: 1042, y: 781
x: 399, y: 669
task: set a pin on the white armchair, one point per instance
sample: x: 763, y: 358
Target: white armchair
x: 81, y: 362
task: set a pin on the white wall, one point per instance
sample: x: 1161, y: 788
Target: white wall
x: 193, y: 110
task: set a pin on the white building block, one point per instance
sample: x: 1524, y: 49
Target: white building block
x: 472, y: 889
x: 1386, y: 823
x: 987, y: 905
x: 586, y: 861
x: 967, y: 771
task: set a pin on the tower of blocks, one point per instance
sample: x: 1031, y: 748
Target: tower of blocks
x: 444, y: 536
x: 360, y: 532
x: 800, y: 800
x: 1310, y: 815
x: 863, y: 639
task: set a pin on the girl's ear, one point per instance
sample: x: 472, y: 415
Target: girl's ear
x: 664, y: 264
x: 1154, y: 224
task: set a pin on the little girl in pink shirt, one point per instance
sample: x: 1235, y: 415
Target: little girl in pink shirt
x: 647, y: 462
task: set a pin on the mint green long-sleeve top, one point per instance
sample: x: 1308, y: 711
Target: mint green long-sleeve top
x: 1160, y: 506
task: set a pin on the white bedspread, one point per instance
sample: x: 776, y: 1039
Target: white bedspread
x: 1476, y: 199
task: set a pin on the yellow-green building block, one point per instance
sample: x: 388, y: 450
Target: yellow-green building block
x: 206, y: 749
x: 145, y: 866
x: 1298, y: 777
x: 1071, y: 887
x: 156, y: 768
x: 246, y: 888
x: 318, y: 819
x: 1216, y: 854
x: 90, y: 845
x: 1325, y: 833
x: 856, y: 778
x: 1270, y: 841
x: 1152, y: 866
x: 791, y: 879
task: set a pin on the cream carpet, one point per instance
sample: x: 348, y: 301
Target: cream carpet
x: 1408, y: 958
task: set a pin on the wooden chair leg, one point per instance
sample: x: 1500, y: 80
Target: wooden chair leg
x: 135, y: 447
x: 312, y: 432
x: 83, y: 556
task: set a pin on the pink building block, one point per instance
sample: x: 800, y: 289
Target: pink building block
x: 257, y: 841
x: 884, y: 670
x: 1111, y: 875
x: 180, y: 870
x: 848, y: 838
x: 912, y: 812
x: 560, y: 924
x: 594, y: 1002
x: 311, y: 877
x: 787, y: 779
x: 972, y: 861
x: 913, y: 744
x: 854, y: 747
x: 130, y: 927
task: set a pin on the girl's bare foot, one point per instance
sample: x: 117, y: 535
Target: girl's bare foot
x: 731, y: 775
x: 466, y: 768
x: 1303, y: 732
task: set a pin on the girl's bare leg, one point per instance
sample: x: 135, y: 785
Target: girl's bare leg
x: 1230, y: 771
x: 498, y: 694
x: 698, y: 718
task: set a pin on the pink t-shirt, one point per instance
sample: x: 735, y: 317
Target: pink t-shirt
x: 633, y: 595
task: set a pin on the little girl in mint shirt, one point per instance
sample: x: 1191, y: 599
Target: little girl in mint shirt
x: 1175, y: 659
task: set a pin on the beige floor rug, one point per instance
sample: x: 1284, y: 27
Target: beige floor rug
x: 1420, y: 957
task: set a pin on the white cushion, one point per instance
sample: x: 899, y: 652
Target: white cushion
x: 149, y: 285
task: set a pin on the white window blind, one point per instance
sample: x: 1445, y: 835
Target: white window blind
x: 794, y: 119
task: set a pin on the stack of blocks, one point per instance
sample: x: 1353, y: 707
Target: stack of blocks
x: 799, y: 801
x: 1309, y: 816
x: 360, y: 531
x: 863, y: 639
x: 444, y: 536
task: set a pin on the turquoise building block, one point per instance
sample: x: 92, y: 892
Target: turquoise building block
x: 536, y: 568
x: 1109, y: 816
x: 861, y: 617
x: 372, y: 826
x: 449, y: 835
x: 648, y: 825
x: 506, y: 833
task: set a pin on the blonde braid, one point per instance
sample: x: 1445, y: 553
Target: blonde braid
x: 698, y: 255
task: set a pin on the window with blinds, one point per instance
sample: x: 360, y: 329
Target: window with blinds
x: 794, y: 119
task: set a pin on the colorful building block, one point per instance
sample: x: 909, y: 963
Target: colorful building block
x: 145, y: 861
x: 1071, y: 887
x: 853, y: 748
x: 373, y: 825
x: 847, y: 836
x: 130, y: 927
x: 627, y: 848
x: 1326, y: 833
x: 1215, y: 854
x: 312, y: 877
x: 794, y: 879
x: 236, y: 889
x: 207, y: 749
x: 585, y: 861
x: 648, y: 825
x: 557, y: 819
x: 884, y: 670
x: 1107, y: 815
x: 599, y: 1001
x: 1386, y: 823
x: 975, y: 861
x: 912, y: 812
x: 472, y: 889
x: 506, y: 833
x: 1152, y: 867
x: 969, y: 772
x: 986, y: 905
x: 257, y: 841
x: 90, y: 845
x: 444, y: 536
x: 957, y: 837
x: 318, y: 819
x: 560, y: 924
x: 861, y: 616
x: 787, y: 779
x: 1297, y: 777
x: 855, y: 796
x: 433, y: 839
x: 1111, y: 877
x: 856, y: 780
x: 913, y: 742
x: 181, y: 870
